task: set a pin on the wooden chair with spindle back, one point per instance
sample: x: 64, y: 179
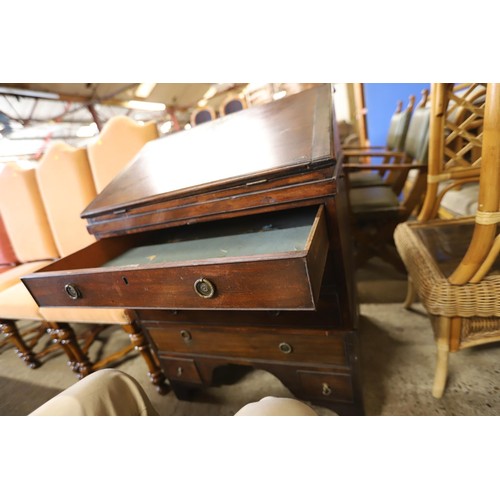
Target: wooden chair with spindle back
x: 377, y: 210
x: 392, y: 152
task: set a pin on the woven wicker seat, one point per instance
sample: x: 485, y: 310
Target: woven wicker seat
x: 453, y: 264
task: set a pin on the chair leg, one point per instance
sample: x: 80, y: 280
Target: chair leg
x: 11, y: 333
x: 443, y: 353
x: 411, y: 294
x: 65, y: 336
x: 142, y: 345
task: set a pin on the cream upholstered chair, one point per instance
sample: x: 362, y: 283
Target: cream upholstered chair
x: 66, y: 166
x: 29, y: 231
x: 66, y: 184
x: 118, y: 142
x: 454, y: 264
x: 8, y: 258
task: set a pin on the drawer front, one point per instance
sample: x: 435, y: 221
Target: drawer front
x: 284, y: 345
x: 286, y: 280
x: 183, y: 370
x: 327, y: 386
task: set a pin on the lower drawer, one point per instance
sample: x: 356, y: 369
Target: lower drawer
x: 183, y: 370
x: 326, y: 386
x: 275, y: 344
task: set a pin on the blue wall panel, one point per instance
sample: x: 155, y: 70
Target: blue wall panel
x: 381, y: 100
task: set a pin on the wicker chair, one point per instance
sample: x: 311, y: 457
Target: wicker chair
x: 453, y: 264
x: 455, y: 149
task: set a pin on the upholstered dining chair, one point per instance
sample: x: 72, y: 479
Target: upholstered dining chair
x: 118, y: 142
x: 202, y: 115
x: 376, y: 210
x: 66, y: 186
x: 232, y: 104
x: 454, y: 264
x: 29, y: 232
x: 391, y: 152
x: 8, y: 257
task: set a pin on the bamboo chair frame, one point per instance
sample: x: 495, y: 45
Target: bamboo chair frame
x: 463, y: 306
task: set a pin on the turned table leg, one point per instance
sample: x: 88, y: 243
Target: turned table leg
x: 142, y: 345
x: 65, y: 336
x: 11, y: 333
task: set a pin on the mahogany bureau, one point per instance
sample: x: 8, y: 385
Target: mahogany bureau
x: 230, y: 242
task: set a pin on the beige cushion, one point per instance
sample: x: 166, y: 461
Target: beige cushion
x: 271, y: 406
x: 119, y: 141
x: 17, y: 303
x: 370, y: 199
x: 85, y: 315
x: 24, y: 215
x: 463, y: 201
x: 12, y: 276
x: 107, y: 392
x: 66, y: 186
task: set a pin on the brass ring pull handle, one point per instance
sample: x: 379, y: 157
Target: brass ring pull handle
x: 204, y: 288
x: 285, y: 348
x: 326, y: 389
x: 73, y: 291
x: 186, y: 336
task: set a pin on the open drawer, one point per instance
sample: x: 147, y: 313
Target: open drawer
x: 269, y: 261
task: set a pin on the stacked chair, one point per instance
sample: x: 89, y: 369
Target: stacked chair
x: 202, y: 115
x: 8, y: 257
x: 378, y: 208
x: 453, y: 264
x: 119, y: 141
x: 390, y: 153
x: 66, y: 185
x: 232, y: 104
x: 29, y: 231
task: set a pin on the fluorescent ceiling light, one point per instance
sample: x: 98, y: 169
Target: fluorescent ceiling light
x: 210, y: 92
x: 202, y: 103
x: 144, y: 90
x: 145, y: 106
x: 279, y: 95
x: 166, y: 127
x: 87, y: 130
